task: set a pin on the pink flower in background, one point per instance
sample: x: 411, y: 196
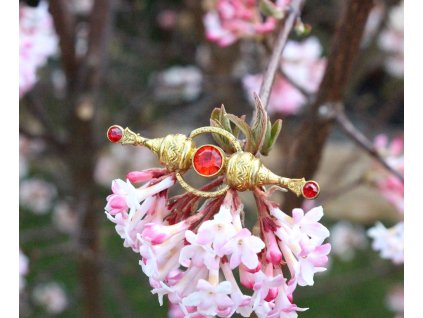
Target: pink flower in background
x: 389, y: 185
x: 51, y: 296
x: 65, y: 218
x: 395, y: 300
x: 37, y: 195
x: 389, y: 242
x: 37, y: 41
x: 23, y: 269
x: 303, y: 64
x: 284, y: 98
x: 167, y: 19
x: 391, y: 40
x: 346, y: 238
x: 230, y: 20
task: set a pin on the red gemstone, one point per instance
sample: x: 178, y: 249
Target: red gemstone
x: 207, y: 160
x: 114, y: 133
x: 311, y: 190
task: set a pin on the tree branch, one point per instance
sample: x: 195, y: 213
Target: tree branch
x: 307, y: 148
x: 364, y: 143
x: 275, y: 59
x: 64, y: 25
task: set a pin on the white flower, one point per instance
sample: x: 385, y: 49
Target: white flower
x: 37, y: 195
x: 65, y: 218
x: 178, y: 84
x: 345, y: 238
x: 51, y: 296
x: 23, y: 269
x: 389, y: 242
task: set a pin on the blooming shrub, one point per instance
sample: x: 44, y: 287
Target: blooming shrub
x: 194, y: 255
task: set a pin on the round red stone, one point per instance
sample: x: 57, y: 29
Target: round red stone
x: 311, y: 189
x: 207, y: 160
x: 114, y: 134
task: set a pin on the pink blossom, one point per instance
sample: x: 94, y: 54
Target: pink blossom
x: 211, y: 299
x: 284, y: 98
x: 37, y: 41
x: 190, y: 256
x: 391, y: 40
x: 389, y: 185
x: 230, y: 20
x: 389, y: 242
x: 243, y: 248
x: 303, y: 64
x: 199, y: 251
x: 132, y: 208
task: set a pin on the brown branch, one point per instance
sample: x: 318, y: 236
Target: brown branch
x: 275, y: 59
x: 64, y: 25
x: 56, y: 145
x: 306, y: 151
x: 364, y: 143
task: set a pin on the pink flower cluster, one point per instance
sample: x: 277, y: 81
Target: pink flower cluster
x: 302, y: 64
x: 390, y: 242
x: 194, y: 255
x: 229, y: 20
x: 37, y: 41
x: 389, y: 185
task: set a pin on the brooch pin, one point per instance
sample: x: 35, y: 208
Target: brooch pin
x: 241, y: 170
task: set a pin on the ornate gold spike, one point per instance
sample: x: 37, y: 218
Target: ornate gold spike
x: 174, y: 151
x: 242, y: 170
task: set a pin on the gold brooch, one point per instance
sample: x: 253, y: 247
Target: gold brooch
x: 242, y: 170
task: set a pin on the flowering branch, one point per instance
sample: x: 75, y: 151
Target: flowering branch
x: 307, y: 149
x: 363, y: 142
x: 274, y: 62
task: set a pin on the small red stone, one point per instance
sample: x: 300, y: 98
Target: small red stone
x: 207, y: 160
x: 311, y: 189
x: 114, y: 133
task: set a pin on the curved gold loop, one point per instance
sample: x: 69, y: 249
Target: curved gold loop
x: 200, y: 193
x: 216, y: 130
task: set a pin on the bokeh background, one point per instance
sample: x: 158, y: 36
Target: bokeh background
x: 153, y: 66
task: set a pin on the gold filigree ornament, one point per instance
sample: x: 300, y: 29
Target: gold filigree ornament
x: 242, y: 170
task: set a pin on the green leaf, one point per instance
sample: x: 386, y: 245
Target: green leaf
x: 274, y: 134
x: 226, y: 124
x: 246, y: 130
x: 259, y: 124
x: 268, y: 8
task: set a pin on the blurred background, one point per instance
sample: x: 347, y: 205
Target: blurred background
x: 161, y: 67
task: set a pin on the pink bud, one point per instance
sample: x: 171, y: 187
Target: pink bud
x: 145, y: 175
x: 273, y: 253
x: 272, y: 294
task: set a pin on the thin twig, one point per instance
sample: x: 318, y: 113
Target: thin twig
x: 275, y: 59
x: 364, y: 143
